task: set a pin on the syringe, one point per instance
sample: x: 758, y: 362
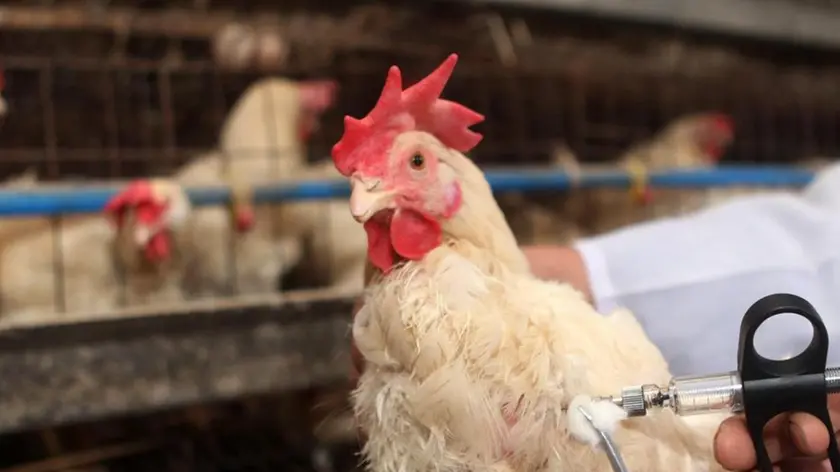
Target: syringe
x: 691, y: 395
x: 761, y: 388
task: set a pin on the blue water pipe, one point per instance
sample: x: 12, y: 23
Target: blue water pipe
x: 91, y: 199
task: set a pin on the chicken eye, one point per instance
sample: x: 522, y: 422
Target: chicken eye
x: 417, y: 162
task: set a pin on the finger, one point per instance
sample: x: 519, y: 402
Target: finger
x: 780, y: 448
x: 805, y: 465
x: 833, y: 403
x: 734, y: 448
x: 808, y: 434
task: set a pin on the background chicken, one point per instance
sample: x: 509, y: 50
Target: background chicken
x: 262, y: 141
x: 239, y: 46
x: 98, y: 271
x: 470, y: 359
x: 692, y: 142
x: 334, y: 245
x: 547, y: 217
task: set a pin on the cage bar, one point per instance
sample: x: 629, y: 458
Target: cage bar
x: 810, y: 23
x: 91, y: 199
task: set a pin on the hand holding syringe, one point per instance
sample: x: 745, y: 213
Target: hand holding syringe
x: 761, y: 388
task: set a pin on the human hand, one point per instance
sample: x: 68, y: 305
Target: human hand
x: 561, y: 264
x: 795, y: 442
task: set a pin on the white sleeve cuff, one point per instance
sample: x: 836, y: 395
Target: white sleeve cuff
x: 757, y: 234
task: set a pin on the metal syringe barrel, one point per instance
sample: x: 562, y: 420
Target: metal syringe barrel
x: 698, y: 394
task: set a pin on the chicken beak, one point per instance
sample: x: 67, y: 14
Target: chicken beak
x: 366, y: 200
x: 142, y: 235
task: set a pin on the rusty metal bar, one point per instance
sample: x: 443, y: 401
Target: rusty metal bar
x: 219, y: 106
x: 115, y: 163
x: 48, y: 108
x: 467, y: 69
x: 51, y: 149
x: 55, y: 373
x: 112, y: 123
x: 151, y: 66
x: 170, y: 22
x: 164, y: 80
x: 806, y: 24
x: 188, y: 24
x: 58, y: 264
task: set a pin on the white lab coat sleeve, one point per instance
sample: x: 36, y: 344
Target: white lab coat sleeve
x: 689, y: 280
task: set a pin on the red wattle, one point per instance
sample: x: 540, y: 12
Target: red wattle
x: 414, y: 234
x: 379, y: 245
x: 647, y: 196
x: 713, y: 152
x: 157, y: 248
x: 245, y: 220
x: 723, y: 122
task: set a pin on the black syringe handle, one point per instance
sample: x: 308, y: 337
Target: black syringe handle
x: 771, y: 387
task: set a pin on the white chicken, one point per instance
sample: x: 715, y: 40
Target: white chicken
x: 91, y: 271
x: 692, y: 142
x: 27, y: 179
x: 470, y: 360
x: 238, y: 46
x: 337, y: 245
x: 261, y: 142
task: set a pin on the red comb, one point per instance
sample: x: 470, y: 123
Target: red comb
x: 722, y: 128
x: 418, y: 107
x: 133, y: 193
x: 722, y: 121
x: 317, y: 95
x: 138, y: 194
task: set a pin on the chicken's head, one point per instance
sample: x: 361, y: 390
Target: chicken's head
x: 148, y: 211
x: 316, y: 96
x: 399, y: 159
x: 711, y: 133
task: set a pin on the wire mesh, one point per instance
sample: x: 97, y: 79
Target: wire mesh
x: 255, y: 434
x: 106, y: 90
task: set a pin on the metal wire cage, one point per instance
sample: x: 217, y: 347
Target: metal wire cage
x: 144, y: 80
